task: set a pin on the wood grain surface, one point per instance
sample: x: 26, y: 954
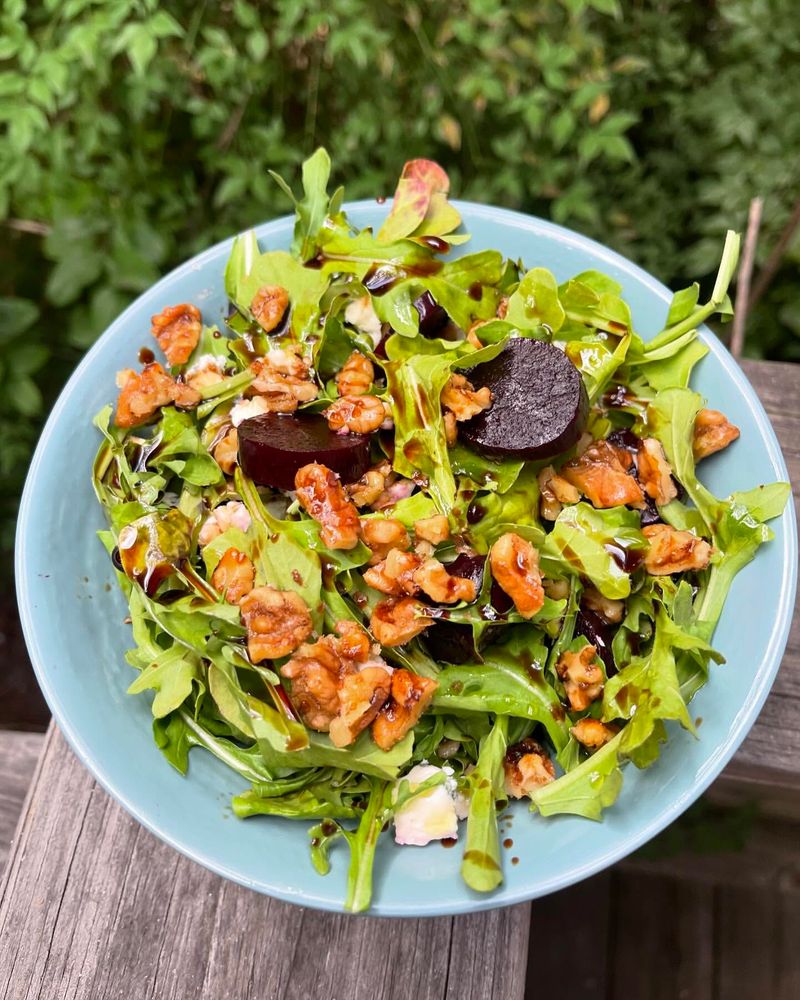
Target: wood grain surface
x: 93, y: 906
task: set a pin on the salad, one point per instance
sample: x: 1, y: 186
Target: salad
x: 408, y: 534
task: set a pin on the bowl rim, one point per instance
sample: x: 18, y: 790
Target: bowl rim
x: 710, y: 769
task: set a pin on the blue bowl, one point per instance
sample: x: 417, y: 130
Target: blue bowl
x: 72, y: 614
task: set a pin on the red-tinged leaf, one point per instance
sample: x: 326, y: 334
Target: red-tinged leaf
x: 419, y: 181
x: 440, y: 219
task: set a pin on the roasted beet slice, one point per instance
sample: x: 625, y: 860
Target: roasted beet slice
x: 450, y: 642
x: 539, y: 405
x: 273, y: 446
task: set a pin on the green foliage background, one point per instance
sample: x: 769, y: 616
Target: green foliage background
x: 136, y: 133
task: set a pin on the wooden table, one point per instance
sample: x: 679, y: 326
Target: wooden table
x: 92, y: 906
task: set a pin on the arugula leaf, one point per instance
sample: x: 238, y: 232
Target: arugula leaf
x: 587, y: 789
x: 419, y: 181
x: 504, y: 686
x: 481, y: 868
x: 535, y: 302
x: 582, y: 542
x: 312, y: 209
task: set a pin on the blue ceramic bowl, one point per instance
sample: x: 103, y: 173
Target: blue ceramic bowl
x: 73, y: 613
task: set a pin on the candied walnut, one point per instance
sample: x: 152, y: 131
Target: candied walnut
x: 356, y: 375
x: 234, y: 576
x: 435, y: 529
x: 462, y: 399
x: 554, y: 491
x: 382, y: 534
x: 411, y: 695
x: 440, y: 586
x: 142, y: 395
x: 322, y: 496
x: 613, y: 611
x: 226, y: 451
x: 233, y: 514
x: 283, y: 380
x: 277, y: 621
x: 177, y: 330
x: 592, y: 733
x: 396, y: 621
x: 583, y: 679
x: 450, y: 428
x: 602, y: 473
x: 472, y: 334
x: 208, y: 370
x: 368, y: 488
x: 673, y: 551
x: 336, y: 684
x: 354, y: 643
x: 395, y: 574
x: 655, y: 473
x: 361, y: 697
x: 268, y: 306
x: 502, y: 307
x: 316, y: 671
x: 355, y: 414
x: 527, y: 767
x: 712, y: 432
x: 515, y: 567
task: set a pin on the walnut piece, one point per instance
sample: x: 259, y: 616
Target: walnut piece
x: 450, y: 429
x: 268, y: 306
x: 177, y: 330
x: 234, y: 575
x: 515, y: 567
x: 712, y: 432
x: 440, y: 586
x: 434, y: 529
x: 673, y: 551
x: 395, y: 574
x: 370, y: 486
x: 411, y: 695
x: 613, y: 611
x: 336, y: 685
x: 142, y: 395
x: 355, y: 414
x: 583, y: 679
x: 226, y: 451
x: 396, y: 621
x: 554, y: 491
x: 592, y: 733
x: 602, y: 473
x: 277, y: 621
x: 283, y: 380
x: 527, y: 767
x: 382, y: 534
x: 361, y: 697
x: 461, y: 398
x: 356, y: 375
x: 321, y: 494
x: 655, y: 472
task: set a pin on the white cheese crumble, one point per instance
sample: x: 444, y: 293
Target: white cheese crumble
x: 207, y: 362
x: 433, y: 814
x: 361, y: 314
x: 247, y: 408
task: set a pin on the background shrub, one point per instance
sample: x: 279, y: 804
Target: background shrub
x: 138, y: 133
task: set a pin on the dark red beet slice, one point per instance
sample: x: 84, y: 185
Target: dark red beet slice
x: 539, y: 405
x: 472, y: 567
x: 273, y: 446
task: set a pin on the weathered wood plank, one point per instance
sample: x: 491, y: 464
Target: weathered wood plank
x: 18, y: 755
x: 570, y: 935
x: 662, y: 943
x: 774, y: 741
x: 93, y: 906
